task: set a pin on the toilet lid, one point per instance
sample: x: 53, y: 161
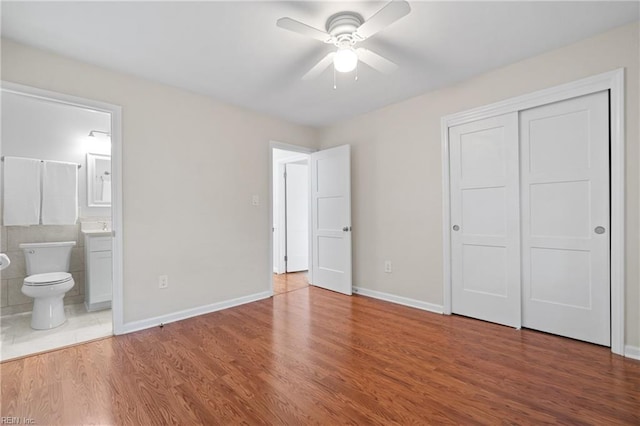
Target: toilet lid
x: 47, y: 279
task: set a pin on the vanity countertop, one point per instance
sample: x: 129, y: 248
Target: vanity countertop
x: 98, y: 228
x: 96, y: 232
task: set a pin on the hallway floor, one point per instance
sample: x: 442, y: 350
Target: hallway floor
x: 284, y: 283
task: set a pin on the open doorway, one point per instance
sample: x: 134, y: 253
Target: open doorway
x: 62, y: 245
x: 328, y: 218
x: 290, y: 220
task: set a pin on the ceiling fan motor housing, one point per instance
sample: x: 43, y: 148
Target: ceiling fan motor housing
x: 342, y: 27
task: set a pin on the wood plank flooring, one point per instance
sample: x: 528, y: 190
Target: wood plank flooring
x: 315, y: 357
x: 284, y: 283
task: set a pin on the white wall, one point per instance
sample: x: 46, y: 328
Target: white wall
x: 396, y: 167
x: 190, y: 168
x: 36, y: 128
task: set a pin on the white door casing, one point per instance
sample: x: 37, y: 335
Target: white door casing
x: 278, y: 204
x: 274, y: 184
x: 485, y: 252
x: 331, y: 219
x: 565, y: 218
x: 297, y: 216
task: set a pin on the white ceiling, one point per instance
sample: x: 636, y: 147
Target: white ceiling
x: 234, y: 52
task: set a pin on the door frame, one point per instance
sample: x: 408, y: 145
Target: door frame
x: 116, y: 181
x: 294, y: 148
x: 612, y: 81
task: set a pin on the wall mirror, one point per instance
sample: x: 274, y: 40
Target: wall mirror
x: 98, y: 180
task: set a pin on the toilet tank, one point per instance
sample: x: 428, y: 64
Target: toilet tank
x: 47, y: 257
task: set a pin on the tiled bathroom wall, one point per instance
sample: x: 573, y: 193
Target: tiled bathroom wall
x: 11, y: 298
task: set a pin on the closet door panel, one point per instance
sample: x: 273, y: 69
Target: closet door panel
x: 560, y: 209
x: 485, y: 253
x: 565, y: 218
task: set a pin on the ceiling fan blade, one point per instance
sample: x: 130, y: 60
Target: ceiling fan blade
x: 386, y: 16
x: 319, y: 67
x: 304, y: 29
x: 376, y: 61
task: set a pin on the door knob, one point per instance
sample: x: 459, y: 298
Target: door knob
x: 456, y: 227
x: 599, y: 230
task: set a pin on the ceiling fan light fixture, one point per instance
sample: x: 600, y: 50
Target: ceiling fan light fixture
x: 346, y: 29
x: 345, y: 60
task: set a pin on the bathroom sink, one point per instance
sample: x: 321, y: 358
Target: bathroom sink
x: 102, y: 228
x: 4, y: 261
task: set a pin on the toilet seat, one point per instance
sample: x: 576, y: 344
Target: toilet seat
x: 50, y: 278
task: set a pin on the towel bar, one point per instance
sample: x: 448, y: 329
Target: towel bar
x: 42, y: 161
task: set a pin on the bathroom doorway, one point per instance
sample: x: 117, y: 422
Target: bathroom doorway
x: 290, y: 218
x: 48, y: 128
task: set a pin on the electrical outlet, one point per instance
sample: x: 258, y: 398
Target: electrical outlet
x: 387, y: 266
x: 163, y: 281
x: 255, y: 200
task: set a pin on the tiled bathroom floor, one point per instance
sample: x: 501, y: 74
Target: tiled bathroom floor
x: 17, y: 338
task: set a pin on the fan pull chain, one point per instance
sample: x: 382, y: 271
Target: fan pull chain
x: 357, y: 71
x: 334, y: 79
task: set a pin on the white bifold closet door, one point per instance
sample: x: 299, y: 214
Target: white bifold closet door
x: 530, y: 242
x: 485, y: 251
x: 565, y: 218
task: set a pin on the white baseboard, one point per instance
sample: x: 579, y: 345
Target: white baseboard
x: 632, y: 352
x: 418, y: 304
x: 188, y: 313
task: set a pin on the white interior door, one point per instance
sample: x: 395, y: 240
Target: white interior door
x: 485, y: 252
x: 565, y: 218
x: 297, y: 216
x: 331, y: 218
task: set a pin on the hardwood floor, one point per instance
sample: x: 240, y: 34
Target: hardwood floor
x: 284, y: 283
x: 316, y: 357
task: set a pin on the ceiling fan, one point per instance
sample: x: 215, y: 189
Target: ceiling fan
x: 345, y: 30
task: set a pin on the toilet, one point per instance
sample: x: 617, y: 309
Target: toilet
x: 47, y: 282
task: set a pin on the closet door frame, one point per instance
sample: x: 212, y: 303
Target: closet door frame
x: 613, y: 81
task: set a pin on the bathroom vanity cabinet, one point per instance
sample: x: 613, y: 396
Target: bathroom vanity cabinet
x: 98, y: 275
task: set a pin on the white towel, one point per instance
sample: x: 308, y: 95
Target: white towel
x: 21, y: 191
x: 106, y: 189
x: 59, y: 193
